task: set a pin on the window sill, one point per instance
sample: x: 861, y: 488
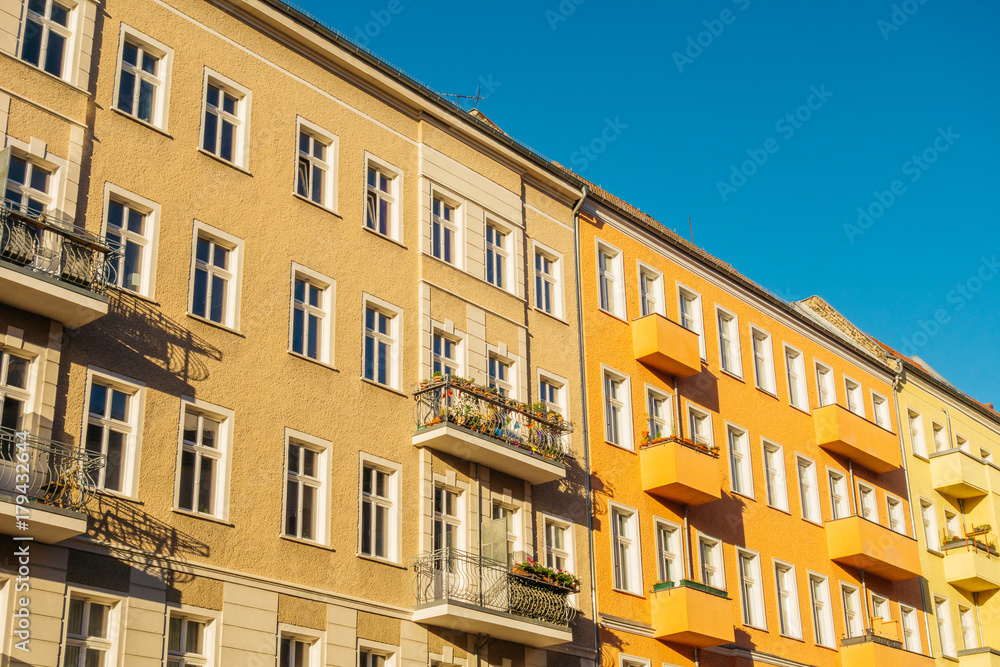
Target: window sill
x: 617, y: 317
x: 922, y: 457
x: 630, y: 450
x: 748, y: 497
x: 802, y: 410
x: 383, y: 236
x: 557, y: 318
x: 205, y: 517
x: 735, y: 377
x: 142, y: 122
x: 792, y: 637
x: 768, y: 392
x: 224, y: 161
x: 314, y: 361
x: 935, y: 552
x: 632, y: 593
x: 382, y: 561
x: 779, y: 509
x: 815, y: 523
x: 321, y: 207
x: 392, y: 390
x: 224, y: 327
x: 129, y: 293
x: 755, y: 627
x: 308, y: 543
x: 118, y: 495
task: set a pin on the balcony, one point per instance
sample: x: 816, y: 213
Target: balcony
x: 972, y: 565
x: 840, y: 431
x: 868, y: 546
x: 692, y: 614
x: 666, y: 346
x: 958, y: 474
x: 872, y: 649
x: 979, y: 657
x: 51, y: 268
x: 478, y: 596
x: 456, y: 417
x: 44, y: 487
x: 680, y: 470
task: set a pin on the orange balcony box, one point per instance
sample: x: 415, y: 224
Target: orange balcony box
x: 692, y: 614
x: 666, y: 346
x: 680, y: 471
x: 843, y: 432
x: 872, y: 649
x: 866, y: 545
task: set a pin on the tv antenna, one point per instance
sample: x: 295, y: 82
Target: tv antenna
x: 458, y: 98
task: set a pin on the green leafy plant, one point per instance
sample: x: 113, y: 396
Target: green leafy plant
x: 557, y: 577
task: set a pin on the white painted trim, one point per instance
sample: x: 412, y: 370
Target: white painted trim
x: 395, y: 471
x: 329, y: 300
x: 332, y: 162
x: 161, y: 102
x: 137, y: 403
x: 226, y: 431
x: 231, y: 320
x: 151, y: 209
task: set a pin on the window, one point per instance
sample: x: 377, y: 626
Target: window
x: 917, y: 442
x: 379, y: 525
x: 447, y: 518
x: 130, y: 229
x: 710, y: 553
x: 382, y: 199
x: 650, y: 291
x: 626, y: 549
x: 911, y: 635
x: 381, y: 356
x: 315, y: 165
x: 962, y: 443
x: 369, y: 658
x: 312, y: 324
x: 548, y: 275
x: 444, y: 231
x: 819, y: 597
x: 825, y: 387
x: 929, y: 518
x: 550, y: 393
x: 894, y: 510
x: 854, y: 402
x: 968, y: 623
x: 691, y: 318
x: 880, y: 410
x: 839, y: 504
x: 774, y: 476
x: 788, y: 600
x: 729, y: 342
x: 796, y: 379
x: 303, y: 490
x: 808, y: 490
x: 215, y: 289
x: 499, y: 371
x: 610, y: 281
x: 740, y: 466
x: 659, y: 414
x: 143, y: 68
x: 28, y: 187
x: 558, y: 544
x: 952, y: 528
x: 203, y: 469
x: 297, y: 651
x: 511, y: 518
x: 444, y: 354
x: 46, y: 32
x: 938, y: 433
x: 113, y: 415
x: 880, y: 608
x: 88, y: 632
x: 187, y: 641
x: 225, y: 118
x: 668, y: 551
x: 945, y: 632
x: 630, y: 661
x: 867, y: 501
x: 986, y: 455
x: 497, y: 256
x: 751, y: 589
x: 853, y: 621
x: 14, y: 394
x: 763, y: 360
x: 617, y: 410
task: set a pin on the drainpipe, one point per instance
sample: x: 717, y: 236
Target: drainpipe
x: 679, y: 428
x: 854, y: 496
x: 584, y: 417
x: 864, y: 606
x: 689, y: 559
x: 979, y: 621
x: 947, y: 419
x: 897, y: 388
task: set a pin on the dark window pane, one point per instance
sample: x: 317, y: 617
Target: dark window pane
x: 218, y: 299
x: 115, y: 462
x: 98, y: 399
x: 308, y: 502
x: 17, y: 169
x: 130, y: 54
x: 202, y: 250
x: 133, y: 259
x: 149, y: 63
x: 199, y: 300
x: 313, y: 337
x: 212, y: 96
x: 136, y: 221
x: 221, y: 257
x: 297, y: 326
x: 119, y: 405
x: 206, y: 501
x: 54, y: 54
x: 292, y: 508
x: 39, y: 179
x: 303, y: 177
x: 11, y: 415
x: 60, y: 14
x: 32, y: 49
x: 17, y: 372
x: 185, y: 499
x: 226, y: 146
x: 145, y: 110
x: 229, y: 103
x: 366, y: 528
x: 95, y: 438
x: 126, y: 90
x: 211, y: 124
x: 308, y: 462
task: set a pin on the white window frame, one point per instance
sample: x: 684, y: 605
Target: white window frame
x: 754, y: 615
x: 967, y: 625
x: 326, y: 311
x: 225, y: 417
x: 234, y: 275
x: 148, y: 239
x: 456, y: 226
x: 697, y: 315
x: 840, y: 502
x: 867, y: 501
x: 632, y: 543
x: 880, y: 410
x: 633, y: 661
x: 894, y: 514
x: 388, y: 651
x: 394, y: 339
x: 765, y: 357
x: 651, y: 290
x: 825, y: 383
x: 458, y: 519
x: 561, y: 385
x: 323, y: 449
x: 70, y: 34
x: 937, y: 436
x: 928, y: 519
x: 695, y: 413
x: 161, y: 80
x: 510, y: 384
x: 663, y: 421
x: 740, y: 460
x: 815, y: 515
x: 241, y: 139
x: 823, y: 621
x: 53, y: 199
x: 728, y: 329
x: 854, y: 397
x: 329, y: 165
x: 441, y: 360
x: 777, y: 494
x: 880, y: 602
x: 611, y: 280
x: 567, y: 553
x: 918, y: 440
x: 111, y: 645
x: 211, y: 639
x: 394, y: 226
x: 791, y: 626
x: 854, y: 621
x: 717, y: 574
x: 554, y: 280
x: 133, y: 440
x: 670, y: 552
x: 503, y: 252
x: 962, y: 443
x: 795, y: 357
x: 946, y: 631
x: 909, y: 629
x: 952, y: 527
x: 624, y: 402
x: 395, y: 530
x: 315, y: 639
x: 29, y: 395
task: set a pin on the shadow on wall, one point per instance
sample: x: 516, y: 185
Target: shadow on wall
x: 611, y: 647
x: 575, y: 491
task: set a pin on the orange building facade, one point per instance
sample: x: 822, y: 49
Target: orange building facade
x: 749, y: 500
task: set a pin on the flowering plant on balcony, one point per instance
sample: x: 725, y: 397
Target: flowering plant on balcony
x: 552, y: 576
x: 705, y: 447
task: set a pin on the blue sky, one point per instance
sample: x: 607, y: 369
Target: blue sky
x: 770, y: 125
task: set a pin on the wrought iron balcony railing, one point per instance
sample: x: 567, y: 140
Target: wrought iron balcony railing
x: 870, y: 636
x: 47, y: 244
x: 481, y: 410
x: 46, y: 471
x: 451, y: 575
